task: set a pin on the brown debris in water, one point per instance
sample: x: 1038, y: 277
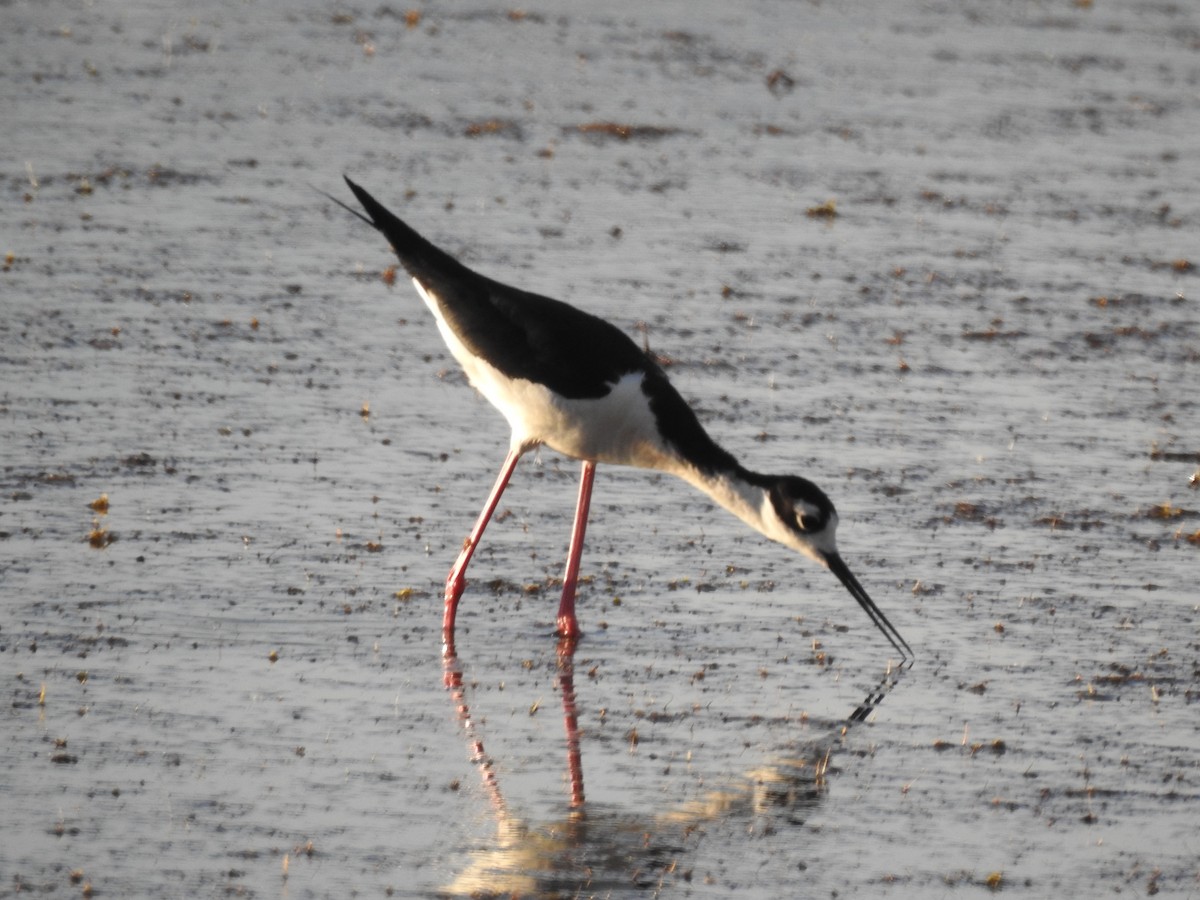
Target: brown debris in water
x: 826, y: 210
x: 1164, y: 511
x: 493, y: 126
x: 98, y: 537
x: 780, y: 82
x: 625, y: 132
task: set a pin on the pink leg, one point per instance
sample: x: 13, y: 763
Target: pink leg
x: 456, y: 581
x: 568, y: 627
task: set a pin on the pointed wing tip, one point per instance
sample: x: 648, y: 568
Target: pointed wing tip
x: 363, y: 196
x: 350, y: 209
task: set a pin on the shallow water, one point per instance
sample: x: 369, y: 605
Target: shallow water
x: 987, y: 357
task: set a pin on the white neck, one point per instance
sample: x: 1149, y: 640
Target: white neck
x: 747, y: 501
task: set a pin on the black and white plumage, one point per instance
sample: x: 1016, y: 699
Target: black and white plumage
x: 575, y: 383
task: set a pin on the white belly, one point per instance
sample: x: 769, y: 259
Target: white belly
x: 617, y: 428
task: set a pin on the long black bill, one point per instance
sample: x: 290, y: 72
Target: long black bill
x: 846, y: 577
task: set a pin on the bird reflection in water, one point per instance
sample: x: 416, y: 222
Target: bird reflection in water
x: 600, y: 849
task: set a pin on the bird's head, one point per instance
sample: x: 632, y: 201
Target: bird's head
x: 803, y: 517
x: 805, y: 520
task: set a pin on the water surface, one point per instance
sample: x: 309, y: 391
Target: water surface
x: 230, y: 681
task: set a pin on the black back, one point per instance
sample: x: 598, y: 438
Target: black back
x: 524, y: 335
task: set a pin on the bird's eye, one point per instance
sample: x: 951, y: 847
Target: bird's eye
x: 811, y: 520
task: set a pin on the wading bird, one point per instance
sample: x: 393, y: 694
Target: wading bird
x: 581, y: 386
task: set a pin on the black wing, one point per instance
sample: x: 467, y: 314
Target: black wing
x: 524, y: 335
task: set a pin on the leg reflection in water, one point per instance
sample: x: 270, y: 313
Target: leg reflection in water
x: 595, y: 848
x: 453, y: 680
x: 566, y: 686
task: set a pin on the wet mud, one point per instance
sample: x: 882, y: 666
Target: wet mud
x: 939, y: 258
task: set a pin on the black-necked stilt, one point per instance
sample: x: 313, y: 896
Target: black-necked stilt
x: 581, y: 386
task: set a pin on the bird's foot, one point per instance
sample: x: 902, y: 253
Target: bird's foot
x: 566, y: 647
x: 454, y: 589
x: 568, y: 629
x: 456, y: 583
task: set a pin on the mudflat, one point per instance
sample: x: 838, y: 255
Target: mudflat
x: 939, y: 258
